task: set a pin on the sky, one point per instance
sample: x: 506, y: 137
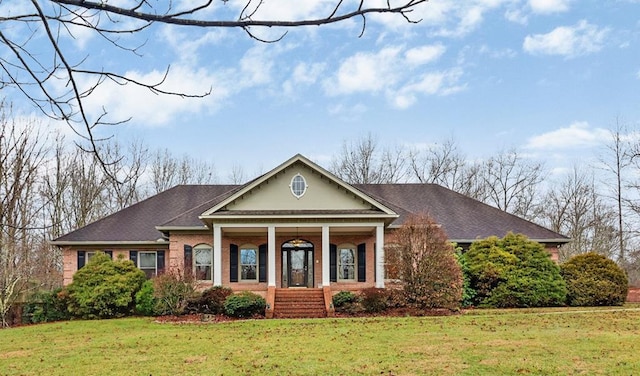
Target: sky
x: 547, y: 77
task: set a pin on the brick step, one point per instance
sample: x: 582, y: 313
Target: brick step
x: 299, y: 303
x: 299, y: 298
x: 299, y: 316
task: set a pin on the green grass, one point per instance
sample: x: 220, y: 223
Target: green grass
x: 491, y: 342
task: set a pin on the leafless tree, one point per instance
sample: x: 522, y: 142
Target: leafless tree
x: 575, y: 209
x: 362, y: 162
x: 445, y: 165
x: 125, y: 173
x: 512, y: 183
x: 39, y: 70
x: 22, y: 151
x: 237, y: 175
x: 167, y: 171
x: 615, y: 163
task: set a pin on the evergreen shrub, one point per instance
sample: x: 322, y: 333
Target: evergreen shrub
x: 104, y: 288
x: 513, y: 272
x: 594, y: 280
x: 244, y: 304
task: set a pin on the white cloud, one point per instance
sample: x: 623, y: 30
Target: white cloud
x: 139, y: 103
x: 424, y: 54
x: 432, y: 83
x: 366, y: 72
x: 576, y: 135
x: 397, y: 73
x: 307, y: 73
x: 347, y: 113
x: 549, y: 6
x: 303, y: 74
x: 568, y: 41
x: 122, y: 102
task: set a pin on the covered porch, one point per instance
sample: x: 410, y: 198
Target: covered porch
x: 326, y: 257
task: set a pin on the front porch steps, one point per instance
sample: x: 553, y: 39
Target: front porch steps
x: 299, y: 303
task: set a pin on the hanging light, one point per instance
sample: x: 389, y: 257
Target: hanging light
x: 297, y: 241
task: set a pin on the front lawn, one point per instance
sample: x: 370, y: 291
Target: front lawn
x: 491, y: 342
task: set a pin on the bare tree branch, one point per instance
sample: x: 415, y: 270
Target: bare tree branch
x: 37, y: 74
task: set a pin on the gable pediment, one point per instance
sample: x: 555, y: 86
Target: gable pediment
x: 322, y: 193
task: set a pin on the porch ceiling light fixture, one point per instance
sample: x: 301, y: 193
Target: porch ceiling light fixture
x: 297, y: 241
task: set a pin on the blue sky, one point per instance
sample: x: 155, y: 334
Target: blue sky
x: 547, y: 77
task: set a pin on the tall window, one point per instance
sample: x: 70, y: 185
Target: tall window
x: 347, y: 262
x: 203, y: 262
x: 249, y: 263
x: 147, y: 262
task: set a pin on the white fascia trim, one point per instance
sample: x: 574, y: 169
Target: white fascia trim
x: 306, y: 216
x: 557, y: 240
x: 102, y: 242
x: 182, y: 228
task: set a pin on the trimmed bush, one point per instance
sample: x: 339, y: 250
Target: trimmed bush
x: 594, y: 280
x: 172, y: 292
x: 245, y: 304
x: 210, y: 301
x: 513, y: 272
x: 346, y: 302
x: 374, y: 300
x: 145, y: 300
x: 46, y: 306
x: 104, y: 288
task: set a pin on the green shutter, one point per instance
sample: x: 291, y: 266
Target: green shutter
x: 133, y: 256
x: 160, y: 262
x: 82, y: 256
x: 333, y: 263
x: 233, y: 262
x: 262, y: 263
x: 188, y: 259
x: 362, y: 262
x: 375, y: 263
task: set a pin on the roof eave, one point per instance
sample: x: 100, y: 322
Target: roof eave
x: 182, y: 228
x: 61, y: 243
x: 539, y: 240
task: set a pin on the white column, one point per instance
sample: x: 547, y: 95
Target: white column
x: 271, y: 251
x: 217, y: 255
x: 380, y: 256
x: 326, y: 276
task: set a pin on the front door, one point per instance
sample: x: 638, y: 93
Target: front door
x: 298, y: 268
x: 297, y: 264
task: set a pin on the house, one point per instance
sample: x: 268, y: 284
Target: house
x: 296, y: 226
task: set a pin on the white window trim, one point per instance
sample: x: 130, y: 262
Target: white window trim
x: 240, y: 264
x: 202, y: 247
x: 354, y: 249
x: 155, y: 261
x: 304, y: 189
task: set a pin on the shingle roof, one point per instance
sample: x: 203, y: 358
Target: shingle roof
x: 137, y: 222
x: 462, y: 218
